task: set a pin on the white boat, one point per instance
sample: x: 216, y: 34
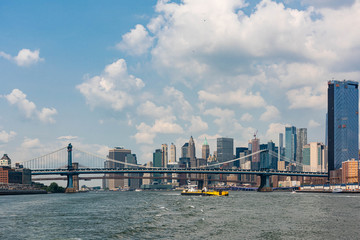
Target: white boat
x: 337, y: 190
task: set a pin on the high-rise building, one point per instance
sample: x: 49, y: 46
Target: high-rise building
x: 290, y: 143
x: 132, y: 183
x: 255, y: 159
x: 268, y: 161
x: 172, y: 153
x: 164, y: 155
x: 343, y: 122
x: 191, y: 153
x: 205, y: 150
x: 157, y: 162
x: 184, y: 150
x: 118, y: 154
x: 314, y: 157
x: 301, y: 141
x: 225, y: 149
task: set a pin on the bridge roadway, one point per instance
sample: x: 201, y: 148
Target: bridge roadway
x: 175, y: 170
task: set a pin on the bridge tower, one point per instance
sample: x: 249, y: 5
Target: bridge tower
x: 70, y: 175
x: 265, y: 183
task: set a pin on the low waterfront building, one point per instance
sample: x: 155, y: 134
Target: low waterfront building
x: 350, y: 171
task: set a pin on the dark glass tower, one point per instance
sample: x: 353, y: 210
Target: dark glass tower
x: 343, y: 122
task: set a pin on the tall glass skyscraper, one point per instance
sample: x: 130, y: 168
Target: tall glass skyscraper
x: 290, y: 143
x: 343, y: 122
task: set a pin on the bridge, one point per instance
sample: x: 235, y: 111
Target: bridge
x: 58, y: 163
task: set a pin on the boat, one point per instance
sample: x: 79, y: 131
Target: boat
x: 337, y: 190
x: 204, y: 192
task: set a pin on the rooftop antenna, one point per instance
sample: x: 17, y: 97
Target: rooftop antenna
x: 255, y: 133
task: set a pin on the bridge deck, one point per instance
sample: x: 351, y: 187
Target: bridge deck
x: 171, y: 170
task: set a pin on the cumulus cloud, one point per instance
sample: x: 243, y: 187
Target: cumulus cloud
x: 136, y: 42
x: 273, y: 132
x: 240, y: 97
x: 246, y: 117
x: 149, y: 109
x: 180, y: 105
x: 271, y: 113
x: 30, y: 143
x: 225, y: 119
x: 306, y: 97
x: 313, y: 124
x: 25, y: 57
x: 112, y: 88
x: 147, y: 133
x: 28, y: 108
x: 67, y: 137
x: 197, y: 125
x: 5, y: 137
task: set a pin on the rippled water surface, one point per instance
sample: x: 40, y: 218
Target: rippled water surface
x: 168, y: 215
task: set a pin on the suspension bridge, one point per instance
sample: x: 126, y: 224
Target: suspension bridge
x: 60, y: 162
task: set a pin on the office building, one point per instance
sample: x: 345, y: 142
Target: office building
x: 184, y: 150
x: 225, y: 149
x: 255, y: 159
x: 350, y: 171
x: 290, y: 143
x: 342, y: 122
x: 301, y: 141
x: 314, y: 157
x: 164, y: 155
x: 114, y: 180
x: 172, y: 153
x: 157, y: 162
x: 192, y: 153
x: 133, y: 182
x: 205, y: 150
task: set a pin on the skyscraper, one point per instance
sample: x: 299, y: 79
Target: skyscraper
x: 191, y: 153
x: 118, y: 154
x: 343, y: 122
x: 205, y: 150
x: 164, y: 155
x: 301, y: 141
x: 172, y: 153
x: 290, y: 143
x: 184, y: 150
x: 157, y: 162
x: 225, y: 149
x: 255, y: 159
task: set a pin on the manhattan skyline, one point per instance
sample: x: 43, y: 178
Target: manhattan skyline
x: 145, y: 73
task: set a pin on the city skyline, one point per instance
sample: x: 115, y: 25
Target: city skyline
x: 106, y: 80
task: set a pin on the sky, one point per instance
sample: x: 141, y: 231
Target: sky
x: 137, y: 74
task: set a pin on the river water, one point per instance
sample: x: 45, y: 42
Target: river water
x: 168, y: 215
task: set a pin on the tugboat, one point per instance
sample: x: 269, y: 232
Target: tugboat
x: 204, y: 192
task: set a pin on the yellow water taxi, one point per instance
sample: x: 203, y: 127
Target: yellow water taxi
x: 204, y: 192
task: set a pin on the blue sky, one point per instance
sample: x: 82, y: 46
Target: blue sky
x: 141, y: 73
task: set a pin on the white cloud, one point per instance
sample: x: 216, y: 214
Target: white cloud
x: 246, y: 117
x: 46, y: 115
x: 271, y: 113
x: 28, y: 108
x: 245, y: 100
x: 197, y: 125
x: 67, y: 137
x: 180, y: 105
x: 5, y: 137
x: 273, y: 132
x: 136, y: 42
x: 31, y: 143
x: 306, y: 97
x: 313, y: 124
x: 151, y: 110
x: 114, y: 88
x: 225, y: 119
x: 146, y: 133
x: 25, y: 57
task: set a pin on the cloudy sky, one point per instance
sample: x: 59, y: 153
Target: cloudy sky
x: 138, y: 74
